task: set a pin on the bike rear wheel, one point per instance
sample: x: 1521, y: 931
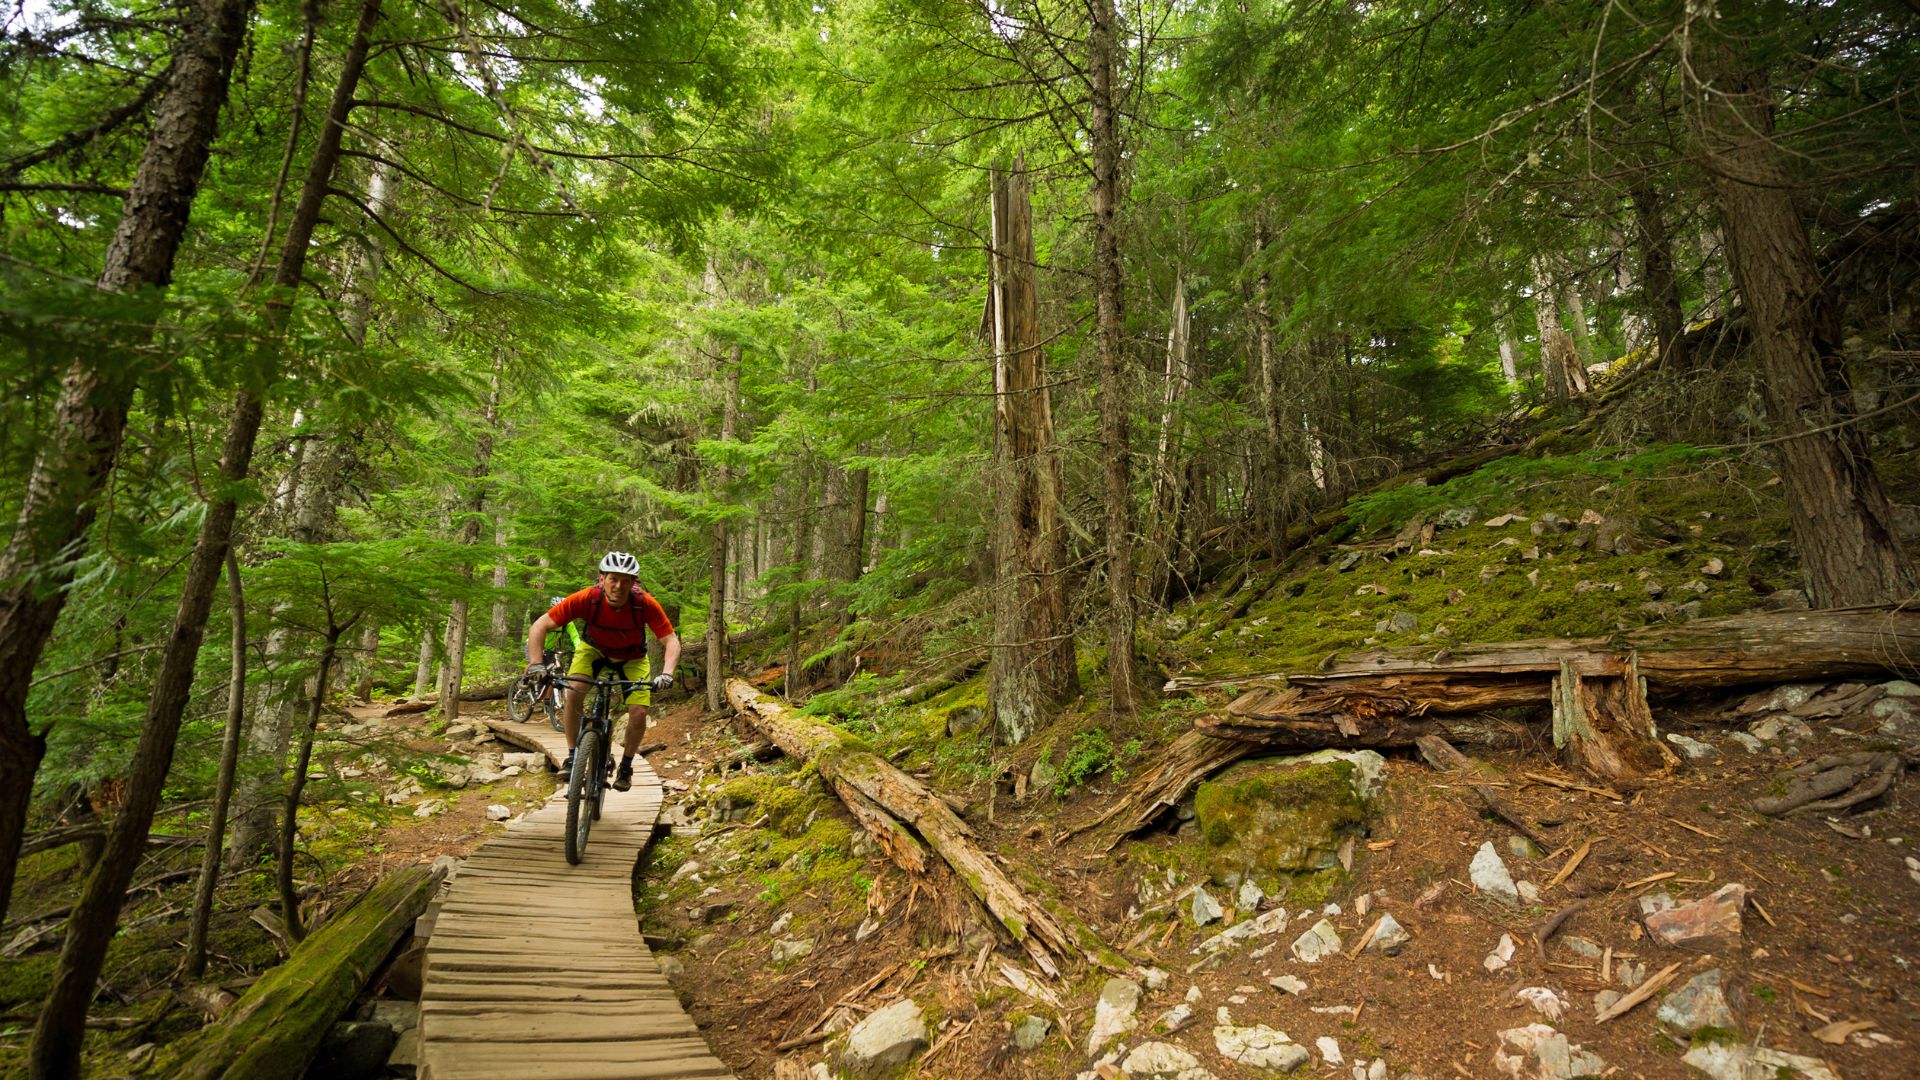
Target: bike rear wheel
x: 583, y: 794
x: 520, y: 701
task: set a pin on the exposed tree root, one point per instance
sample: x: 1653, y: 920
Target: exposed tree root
x: 1835, y: 782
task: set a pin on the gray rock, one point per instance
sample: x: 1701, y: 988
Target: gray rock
x: 671, y: 968
x: 1522, y: 848
x: 1162, y: 1061
x: 1288, y: 983
x: 1701, y: 1003
x: 1606, y: 999
x: 1780, y: 726
x: 1502, y: 953
x: 1537, y: 1052
x: 1747, y: 742
x: 405, y: 1057
x: 1390, y: 937
x: 966, y: 720
x: 1030, y: 1031
x: 1551, y: 524
x: 1655, y: 902
x: 354, y: 1050
x: 1400, y: 622
x: 1249, y: 896
x: 787, y: 950
x: 1173, y: 1019
x: 1629, y: 974
x: 1318, y: 942
x: 1490, y: 875
x: 1454, y: 518
x: 1586, y: 948
x: 1043, y: 775
x: 1739, y: 1061
x: 1275, y: 817
x: 1258, y: 1047
x: 1348, y: 561
x: 497, y: 812
x: 1154, y: 979
x: 884, y: 1039
x: 1204, y: 908
x: 1114, y: 1015
x: 398, y: 1015
x: 1692, y: 749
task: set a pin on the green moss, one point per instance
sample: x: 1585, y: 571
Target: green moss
x: 1710, y: 1036
x: 1276, y: 817
x: 26, y: 981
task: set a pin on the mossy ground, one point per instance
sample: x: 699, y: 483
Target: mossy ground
x: 1472, y: 583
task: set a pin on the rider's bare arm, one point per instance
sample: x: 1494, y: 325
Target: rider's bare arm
x: 670, y: 655
x: 537, y: 642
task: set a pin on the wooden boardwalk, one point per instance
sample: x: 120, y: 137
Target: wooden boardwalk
x: 535, y: 968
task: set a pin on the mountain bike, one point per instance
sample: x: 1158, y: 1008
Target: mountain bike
x: 546, y: 688
x: 593, y: 757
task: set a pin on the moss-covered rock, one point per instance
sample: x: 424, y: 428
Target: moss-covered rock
x: 1286, y: 818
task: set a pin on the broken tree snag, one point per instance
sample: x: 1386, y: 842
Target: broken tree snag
x: 889, y: 803
x: 1180, y: 768
x: 1604, y: 725
x: 1834, y: 782
x: 275, y: 1028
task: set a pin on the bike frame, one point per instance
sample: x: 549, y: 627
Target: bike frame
x: 587, y: 785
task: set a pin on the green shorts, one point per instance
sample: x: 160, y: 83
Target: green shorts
x: 636, y: 669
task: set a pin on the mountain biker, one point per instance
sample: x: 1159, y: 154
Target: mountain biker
x: 614, y: 618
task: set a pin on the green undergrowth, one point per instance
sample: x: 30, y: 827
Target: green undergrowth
x: 1678, y: 507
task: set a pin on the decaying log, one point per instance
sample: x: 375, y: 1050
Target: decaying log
x: 901, y: 813
x: 1597, y: 687
x: 936, y: 683
x: 275, y: 1027
x: 1834, y: 782
x: 1178, y: 769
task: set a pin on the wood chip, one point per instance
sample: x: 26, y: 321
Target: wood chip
x: 1763, y: 911
x: 1837, y: 1032
x: 1571, y: 785
x: 1695, y: 829
x: 1651, y: 879
x: 1572, y: 864
x: 1806, y: 989
x: 1366, y: 938
x: 1606, y: 965
x: 1381, y: 845
x: 1638, y: 994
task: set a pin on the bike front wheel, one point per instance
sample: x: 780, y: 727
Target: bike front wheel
x: 526, y: 689
x: 551, y: 701
x: 582, y: 794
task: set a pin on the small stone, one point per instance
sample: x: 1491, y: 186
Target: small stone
x: 1551, y: 523
x: 884, y: 1039
x: 1400, y: 622
x: 1591, y: 517
x: 497, y: 812
x: 671, y: 968
x: 1713, y: 568
x: 1258, y: 1047
x: 1114, y: 1015
x: 1329, y: 1050
x: 1389, y: 936
x: 1529, y: 892
x: 1288, y: 983
x: 1539, y: 1051
x: 1363, y: 903
x: 1715, y: 918
x: 1501, y: 954
x: 1544, y: 1001
x: 1204, y: 908
x: 1692, y: 749
x: 1606, y: 999
x: 1739, y: 1061
x: 1331, y: 911
x: 1653, y: 588
x: 1699, y: 1004
x: 779, y: 925
x: 429, y: 807
x: 1490, y: 875
x: 1629, y: 974
x: 1154, y: 979
x: 1173, y: 1019
x: 868, y: 926
x: 1318, y: 942
x: 1162, y: 1061
x: 1249, y: 896
x: 786, y: 950
x: 1030, y: 1031
x: 1503, y: 521
x: 1747, y: 742
x: 1587, y: 948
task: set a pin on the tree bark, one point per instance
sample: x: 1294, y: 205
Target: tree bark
x: 1559, y: 360
x: 297, y: 785
x: 196, y: 962
x: 902, y: 813
x: 717, y: 554
x: 423, y: 668
x: 1031, y: 669
x: 1103, y: 62
x: 1269, y: 459
x: 55, y: 1049
x: 276, y: 1026
x: 461, y: 618
x: 1509, y: 353
x: 79, y: 448
x: 1660, y: 284
x: 1842, y: 521
x: 1170, y: 467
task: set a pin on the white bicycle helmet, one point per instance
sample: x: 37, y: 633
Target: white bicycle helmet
x: 619, y: 562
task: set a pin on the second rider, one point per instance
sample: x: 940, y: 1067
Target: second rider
x: 614, y: 618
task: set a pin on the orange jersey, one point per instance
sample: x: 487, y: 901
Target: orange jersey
x: 618, y: 633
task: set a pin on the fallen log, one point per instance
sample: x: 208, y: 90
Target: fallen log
x: 1185, y: 762
x: 906, y: 817
x: 1596, y: 688
x: 936, y: 683
x: 275, y: 1027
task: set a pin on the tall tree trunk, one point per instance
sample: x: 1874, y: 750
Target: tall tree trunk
x: 1031, y: 667
x: 79, y: 447
x: 423, y: 670
x: 1841, y: 520
x: 717, y: 555
x: 1509, y: 352
x: 1711, y: 246
x: 1559, y: 361
x: 196, y: 961
x: 1661, y: 298
x: 1576, y: 308
x: 507, y: 661
x: 1269, y: 472
x: 369, y: 661
x: 1634, y: 324
x: 297, y: 785
x: 1103, y: 62
x: 460, y: 619
x: 797, y: 555
x: 1170, y: 471
x: 850, y: 547
x: 55, y: 1049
